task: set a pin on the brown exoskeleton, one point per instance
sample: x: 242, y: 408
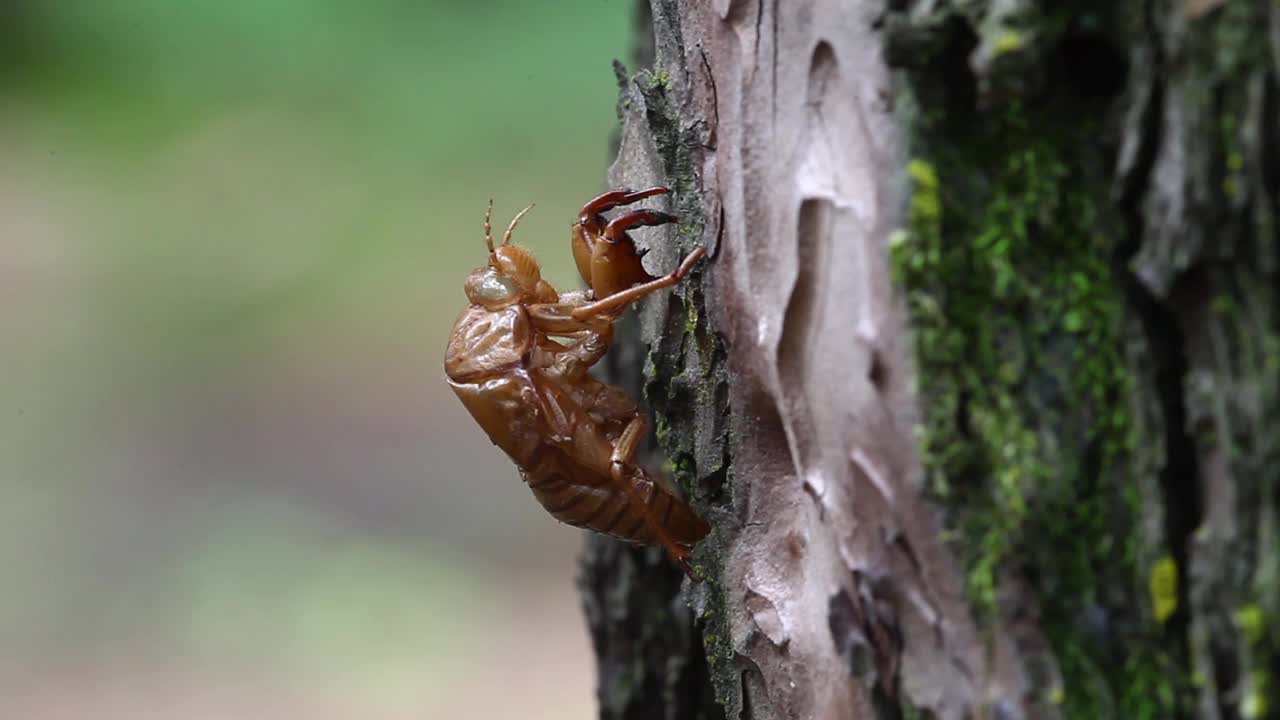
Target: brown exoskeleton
x: 607, y: 259
x: 573, y: 437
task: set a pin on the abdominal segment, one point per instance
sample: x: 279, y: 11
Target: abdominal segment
x: 591, y: 501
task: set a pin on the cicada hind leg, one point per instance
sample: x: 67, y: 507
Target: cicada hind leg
x: 656, y: 516
x: 668, y: 520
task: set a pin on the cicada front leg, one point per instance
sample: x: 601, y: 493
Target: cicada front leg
x: 607, y: 258
x: 609, y: 307
x: 590, y: 213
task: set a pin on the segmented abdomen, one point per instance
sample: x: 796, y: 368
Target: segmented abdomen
x: 589, y: 500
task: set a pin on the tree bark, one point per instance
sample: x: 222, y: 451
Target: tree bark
x: 979, y: 388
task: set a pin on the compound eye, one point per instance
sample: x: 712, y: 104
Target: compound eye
x: 489, y: 287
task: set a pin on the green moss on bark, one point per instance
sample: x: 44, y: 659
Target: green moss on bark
x: 661, y: 648
x: 1026, y: 434
x: 686, y: 379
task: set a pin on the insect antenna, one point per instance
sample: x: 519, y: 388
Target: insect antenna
x: 506, y: 238
x: 488, y: 229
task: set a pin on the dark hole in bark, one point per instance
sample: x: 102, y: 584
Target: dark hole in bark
x: 1087, y: 64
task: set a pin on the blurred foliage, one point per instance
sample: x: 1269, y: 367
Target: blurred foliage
x: 232, y: 240
x: 385, y: 116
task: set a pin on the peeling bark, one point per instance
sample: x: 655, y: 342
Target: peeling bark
x: 979, y: 388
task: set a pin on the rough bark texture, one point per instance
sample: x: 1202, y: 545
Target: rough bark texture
x: 979, y: 390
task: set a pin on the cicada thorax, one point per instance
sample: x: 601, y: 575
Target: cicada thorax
x: 485, y: 363
x: 487, y: 341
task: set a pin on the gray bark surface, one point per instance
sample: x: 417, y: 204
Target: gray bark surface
x: 979, y: 387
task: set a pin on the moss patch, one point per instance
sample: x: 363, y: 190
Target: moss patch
x: 1164, y: 588
x: 686, y: 380
x: 1026, y: 435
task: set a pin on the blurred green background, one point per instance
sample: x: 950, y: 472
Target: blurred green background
x: 232, y: 240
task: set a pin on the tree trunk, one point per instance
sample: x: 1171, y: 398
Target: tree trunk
x: 979, y: 389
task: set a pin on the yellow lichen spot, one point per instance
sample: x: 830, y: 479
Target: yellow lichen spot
x: 1249, y: 621
x: 925, y: 201
x: 1057, y: 696
x: 923, y: 173
x: 1008, y: 41
x: 1164, y: 588
x: 898, y: 239
x: 1254, y: 703
x: 1231, y: 187
x: 660, y: 80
